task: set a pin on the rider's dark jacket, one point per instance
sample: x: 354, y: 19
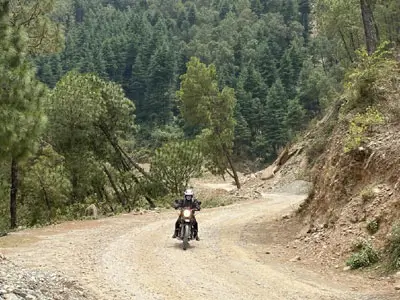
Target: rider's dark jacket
x: 194, y: 204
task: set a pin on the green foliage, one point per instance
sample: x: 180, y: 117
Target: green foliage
x: 88, y: 117
x: 373, y: 226
x: 275, y: 131
x: 367, y: 194
x: 174, y: 164
x: 295, y: 117
x: 45, y: 187
x: 371, y: 80
x: 365, y: 256
x: 21, y: 95
x: 145, y: 48
x: 202, y: 104
x: 359, y: 126
x: 280, y: 78
x: 339, y: 21
x: 164, y: 134
x: 394, y: 248
x: 35, y: 16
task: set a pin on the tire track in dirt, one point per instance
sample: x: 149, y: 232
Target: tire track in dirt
x: 134, y: 257
x: 217, y: 267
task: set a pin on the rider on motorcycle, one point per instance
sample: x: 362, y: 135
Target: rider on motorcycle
x: 188, y: 201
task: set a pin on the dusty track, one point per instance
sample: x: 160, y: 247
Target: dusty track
x: 134, y: 257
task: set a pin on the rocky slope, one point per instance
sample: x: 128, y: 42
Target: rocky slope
x: 17, y: 283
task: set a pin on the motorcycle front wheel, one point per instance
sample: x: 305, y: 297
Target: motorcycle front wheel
x: 186, y: 234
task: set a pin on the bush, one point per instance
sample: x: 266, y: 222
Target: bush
x: 394, y: 248
x: 358, y: 127
x: 174, y: 164
x: 367, y: 195
x: 371, y: 80
x: 373, y: 226
x: 365, y: 256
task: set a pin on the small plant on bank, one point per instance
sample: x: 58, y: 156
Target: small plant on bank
x: 365, y: 256
x: 373, y: 226
x: 358, y: 127
x: 367, y: 194
x: 371, y: 80
x: 394, y: 248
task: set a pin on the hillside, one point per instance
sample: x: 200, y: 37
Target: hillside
x: 354, y: 201
x: 105, y: 85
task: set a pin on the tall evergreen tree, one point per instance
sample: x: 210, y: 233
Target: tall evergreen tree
x: 20, y: 101
x: 157, y: 107
x: 275, y: 131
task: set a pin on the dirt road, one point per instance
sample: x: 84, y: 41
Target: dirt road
x: 134, y: 257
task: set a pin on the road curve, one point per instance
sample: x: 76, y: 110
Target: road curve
x: 134, y: 257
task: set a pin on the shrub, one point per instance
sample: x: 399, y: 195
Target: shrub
x: 174, y: 164
x: 394, y: 248
x: 358, y: 127
x: 367, y: 194
x: 371, y: 80
x: 365, y: 256
x: 373, y: 226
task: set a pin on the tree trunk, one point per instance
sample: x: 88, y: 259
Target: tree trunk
x: 123, y: 155
x: 13, y: 193
x: 109, y: 202
x: 74, y: 183
x: 46, y: 198
x: 234, y: 173
x: 371, y: 34
x: 345, y: 46
x: 114, y: 186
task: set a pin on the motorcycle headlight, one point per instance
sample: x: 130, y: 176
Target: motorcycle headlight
x: 186, y: 213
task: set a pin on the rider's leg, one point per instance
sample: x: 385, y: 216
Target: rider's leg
x: 176, y: 229
x: 196, y: 229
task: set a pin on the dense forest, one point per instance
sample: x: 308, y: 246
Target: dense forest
x: 91, y: 88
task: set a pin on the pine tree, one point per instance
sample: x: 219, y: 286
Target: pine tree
x: 305, y: 10
x: 21, y: 96
x: 157, y: 108
x: 266, y: 64
x: 295, y: 117
x: 43, y: 34
x: 275, y: 131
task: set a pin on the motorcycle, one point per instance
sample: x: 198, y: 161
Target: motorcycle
x: 185, y: 232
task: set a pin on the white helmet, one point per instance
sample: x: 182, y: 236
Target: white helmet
x: 189, y: 192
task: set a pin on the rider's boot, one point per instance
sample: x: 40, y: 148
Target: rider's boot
x: 175, y: 234
x: 196, y: 236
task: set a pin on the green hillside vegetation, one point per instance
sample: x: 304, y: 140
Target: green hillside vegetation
x: 92, y: 88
